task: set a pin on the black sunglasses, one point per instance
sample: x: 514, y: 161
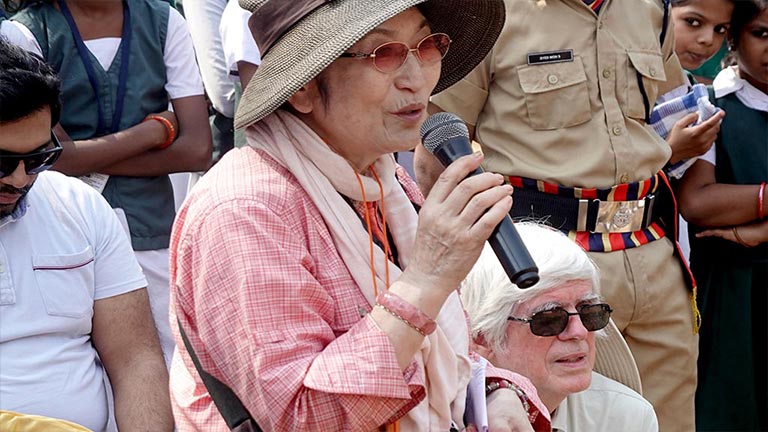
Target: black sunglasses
x: 35, y: 161
x: 552, y: 322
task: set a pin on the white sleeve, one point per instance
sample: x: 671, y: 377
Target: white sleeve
x: 116, y: 270
x: 710, y: 156
x: 181, y: 67
x: 18, y: 34
x: 236, y: 38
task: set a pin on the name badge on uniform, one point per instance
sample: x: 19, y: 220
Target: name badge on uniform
x: 550, y: 57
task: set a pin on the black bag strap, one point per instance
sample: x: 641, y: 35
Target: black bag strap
x: 230, y: 407
x: 665, y: 22
x: 662, y: 37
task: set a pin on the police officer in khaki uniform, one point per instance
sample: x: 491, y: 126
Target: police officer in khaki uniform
x: 560, y: 106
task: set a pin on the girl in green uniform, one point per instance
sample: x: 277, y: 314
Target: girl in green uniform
x: 723, y: 195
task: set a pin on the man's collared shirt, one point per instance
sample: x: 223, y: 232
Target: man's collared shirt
x: 606, y: 406
x: 560, y: 97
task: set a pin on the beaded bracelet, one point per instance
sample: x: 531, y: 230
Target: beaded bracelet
x: 169, y: 129
x: 761, y: 201
x: 406, y: 313
x: 499, y: 384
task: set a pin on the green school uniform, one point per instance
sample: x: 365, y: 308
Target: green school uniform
x: 733, y: 290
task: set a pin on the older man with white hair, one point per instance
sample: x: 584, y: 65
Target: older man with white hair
x: 552, y: 333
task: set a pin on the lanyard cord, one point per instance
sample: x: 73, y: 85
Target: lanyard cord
x: 385, y: 239
x: 392, y: 427
x: 370, y: 236
x: 82, y: 51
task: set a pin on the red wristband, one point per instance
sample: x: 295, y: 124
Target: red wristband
x: 169, y: 129
x: 406, y: 313
x: 761, y: 201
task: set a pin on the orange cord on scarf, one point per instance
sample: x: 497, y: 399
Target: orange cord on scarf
x: 383, y: 213
x: 384, y: 240
x: 393, y: 427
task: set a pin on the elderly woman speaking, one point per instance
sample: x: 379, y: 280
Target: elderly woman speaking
x: 300, y: 271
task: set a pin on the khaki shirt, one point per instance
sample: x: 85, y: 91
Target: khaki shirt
x: 606, y: 406
x: 577, y: 123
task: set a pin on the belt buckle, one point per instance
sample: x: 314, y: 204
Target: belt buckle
x: 614, y: 216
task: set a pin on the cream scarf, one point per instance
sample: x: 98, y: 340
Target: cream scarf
x: 324, y: 174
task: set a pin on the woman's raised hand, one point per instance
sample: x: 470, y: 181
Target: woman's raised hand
x: 457, y: 218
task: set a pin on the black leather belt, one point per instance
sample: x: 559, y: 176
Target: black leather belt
x: 593, y: 215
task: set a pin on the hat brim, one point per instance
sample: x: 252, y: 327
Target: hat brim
x: 320, y: 38
x: 614, y: 359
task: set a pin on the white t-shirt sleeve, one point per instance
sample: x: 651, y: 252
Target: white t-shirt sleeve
x: 116, y: 270
x: 710, y: 156
x: 18, y: 34
x: 236, y: 38
x: 183, y: 74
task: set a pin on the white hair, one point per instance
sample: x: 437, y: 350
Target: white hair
x: 490, y: 297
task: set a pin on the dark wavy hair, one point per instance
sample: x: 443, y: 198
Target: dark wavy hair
x: 744, y: 11
x: 27, y: 85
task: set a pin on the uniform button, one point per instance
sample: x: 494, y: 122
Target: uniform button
x: 624, y: 178
x: 652, y: 72
x: 606, y: 73
x: 2, y: 268
x: 600, y: 25
x: 616, y: 130
x: 552, y: 79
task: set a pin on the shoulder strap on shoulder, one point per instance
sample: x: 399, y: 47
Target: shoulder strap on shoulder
x: 665, y: 22
x: 712, y: 98
x: 230, y: 407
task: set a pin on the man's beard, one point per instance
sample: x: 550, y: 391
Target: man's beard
x: 7, y: 209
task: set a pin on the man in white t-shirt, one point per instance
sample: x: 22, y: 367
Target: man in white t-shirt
x: 74, y: 309
x: 144, y: 202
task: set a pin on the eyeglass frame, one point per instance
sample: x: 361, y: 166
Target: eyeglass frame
x: 372, y: 54
x: 605, y: 307
x: 55, y: 152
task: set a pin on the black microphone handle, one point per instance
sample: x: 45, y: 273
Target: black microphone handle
x: 505, y: 240
x: 513, y: 255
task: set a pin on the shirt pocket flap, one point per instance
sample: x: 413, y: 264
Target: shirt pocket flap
x: 66, y: 282
x: 63, y: 262
x: 548, y: 77
x: 650, y: 65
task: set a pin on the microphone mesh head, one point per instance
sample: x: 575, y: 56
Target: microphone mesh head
x: 441, y: 127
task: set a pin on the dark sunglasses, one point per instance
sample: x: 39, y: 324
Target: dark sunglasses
x: 391, y: 56
x: 35, y: 162
x: 552, y: 322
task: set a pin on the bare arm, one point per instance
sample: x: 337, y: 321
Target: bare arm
x: 246, y: 70
x: 190, y: 152
x: 750, y: 235
x: 125, y: 337
x: 458, y: 212
x: 93, y: 155
x: 707, y: 203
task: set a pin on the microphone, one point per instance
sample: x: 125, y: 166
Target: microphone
x: 446, y: 136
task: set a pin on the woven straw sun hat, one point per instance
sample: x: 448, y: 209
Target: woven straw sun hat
x: 614, y: 360
x: 319, y: 31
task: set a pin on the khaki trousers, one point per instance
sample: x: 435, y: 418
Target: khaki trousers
x: 652, y: 308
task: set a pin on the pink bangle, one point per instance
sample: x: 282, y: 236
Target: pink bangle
x: 406, y: 313
x: 761, y: 201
